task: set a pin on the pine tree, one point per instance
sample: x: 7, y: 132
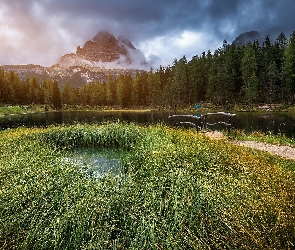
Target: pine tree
x: 56, y: 98
x: 3, y: 86
x: 249, y: 69
x: 180, y: 82
x: 47, y: 87
x: 112, y: 90
x: 280, y: 47
x: 124, y: 90
x: 66, y: 94
x: 289, y: 69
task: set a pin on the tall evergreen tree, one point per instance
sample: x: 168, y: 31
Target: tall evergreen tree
x: 47, y: 87
x: 289, y: 69
x: 2, y: 86
x: 66, y: 94
x: 249, y: 69
x: 269, y: 72
x: 280, y: 47
x: 198, y: 78
x: 180, y: 82
x: 112, y: 90
x: 56, y: 98
x: 124, y: 90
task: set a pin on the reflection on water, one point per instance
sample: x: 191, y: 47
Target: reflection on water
x: 96, y: 162
x: 274, y: 122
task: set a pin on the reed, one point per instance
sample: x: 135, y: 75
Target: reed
x: 177, y: 190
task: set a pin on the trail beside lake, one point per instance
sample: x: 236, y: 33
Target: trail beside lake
x: 280, y: 150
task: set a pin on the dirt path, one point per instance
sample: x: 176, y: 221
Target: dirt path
x: 283, y: 151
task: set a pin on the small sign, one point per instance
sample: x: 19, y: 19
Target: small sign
x: 197, y: 115
x: 197, y: 106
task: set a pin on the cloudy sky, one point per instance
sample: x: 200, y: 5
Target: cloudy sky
x: 41, y: 31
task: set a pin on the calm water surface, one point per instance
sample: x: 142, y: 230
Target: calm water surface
x: 97, y: 162
x: 276, y: 123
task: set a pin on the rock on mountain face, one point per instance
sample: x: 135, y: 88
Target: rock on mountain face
x: 99, y: 57
x: 246, y: 37
x: 106, y: 51
x: 104, y: 47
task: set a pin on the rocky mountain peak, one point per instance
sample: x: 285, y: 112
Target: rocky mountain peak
x: 104, y: 47
x: 105, y: 50
x: 246, y: 37
x: 104, y: 37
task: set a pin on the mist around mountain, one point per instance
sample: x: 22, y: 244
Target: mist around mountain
x: 105, y: 51
x: 99, y: 57
x: 106, y: 55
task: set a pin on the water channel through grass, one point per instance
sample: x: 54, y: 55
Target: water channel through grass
x: 97, y: 162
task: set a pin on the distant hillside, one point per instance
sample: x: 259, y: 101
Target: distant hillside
x: 246, y: 37
x: 251, y: 36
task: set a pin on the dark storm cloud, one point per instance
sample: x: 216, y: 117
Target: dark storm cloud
x: 53, y: 27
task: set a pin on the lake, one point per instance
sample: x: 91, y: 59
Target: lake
x: 276, y: 123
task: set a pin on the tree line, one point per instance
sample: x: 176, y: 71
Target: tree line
x: 251, y: 74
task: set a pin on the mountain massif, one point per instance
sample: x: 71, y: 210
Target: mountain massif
x: 99, y: 57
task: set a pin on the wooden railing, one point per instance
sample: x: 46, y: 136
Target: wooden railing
x: 200, y: 121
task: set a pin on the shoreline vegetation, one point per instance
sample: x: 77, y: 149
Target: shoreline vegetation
x: 259, y: 136
x: 177, y: 190
x: 206, y: 107
x: 239, y: 135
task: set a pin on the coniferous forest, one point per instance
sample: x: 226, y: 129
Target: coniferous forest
x: 251, y: 74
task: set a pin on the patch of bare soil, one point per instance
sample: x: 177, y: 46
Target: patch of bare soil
x: 215, y: 135
x: 283, y: 151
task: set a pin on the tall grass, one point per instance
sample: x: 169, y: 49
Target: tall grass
x: 178, y: 190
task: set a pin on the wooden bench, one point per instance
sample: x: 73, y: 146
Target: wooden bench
x: 200, y: 121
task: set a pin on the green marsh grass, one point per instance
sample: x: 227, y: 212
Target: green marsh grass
x: 8, y: 110
x: 11, y: 110
x: 279, y: 139
x: 177, y: 190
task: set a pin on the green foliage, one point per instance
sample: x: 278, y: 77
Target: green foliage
x: 269, y: 137
x: 249, y: 69
x: 289, y: 69
x: 56, y: 97
x: 178, y: 190
x: 11, y: 110
x: 251, y: 74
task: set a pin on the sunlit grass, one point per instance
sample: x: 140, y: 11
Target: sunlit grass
x: 11, y: 110
x: 8, y: 110
x: 177, y: 190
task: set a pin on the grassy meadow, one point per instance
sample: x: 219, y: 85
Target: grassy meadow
x: 176, y: 190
